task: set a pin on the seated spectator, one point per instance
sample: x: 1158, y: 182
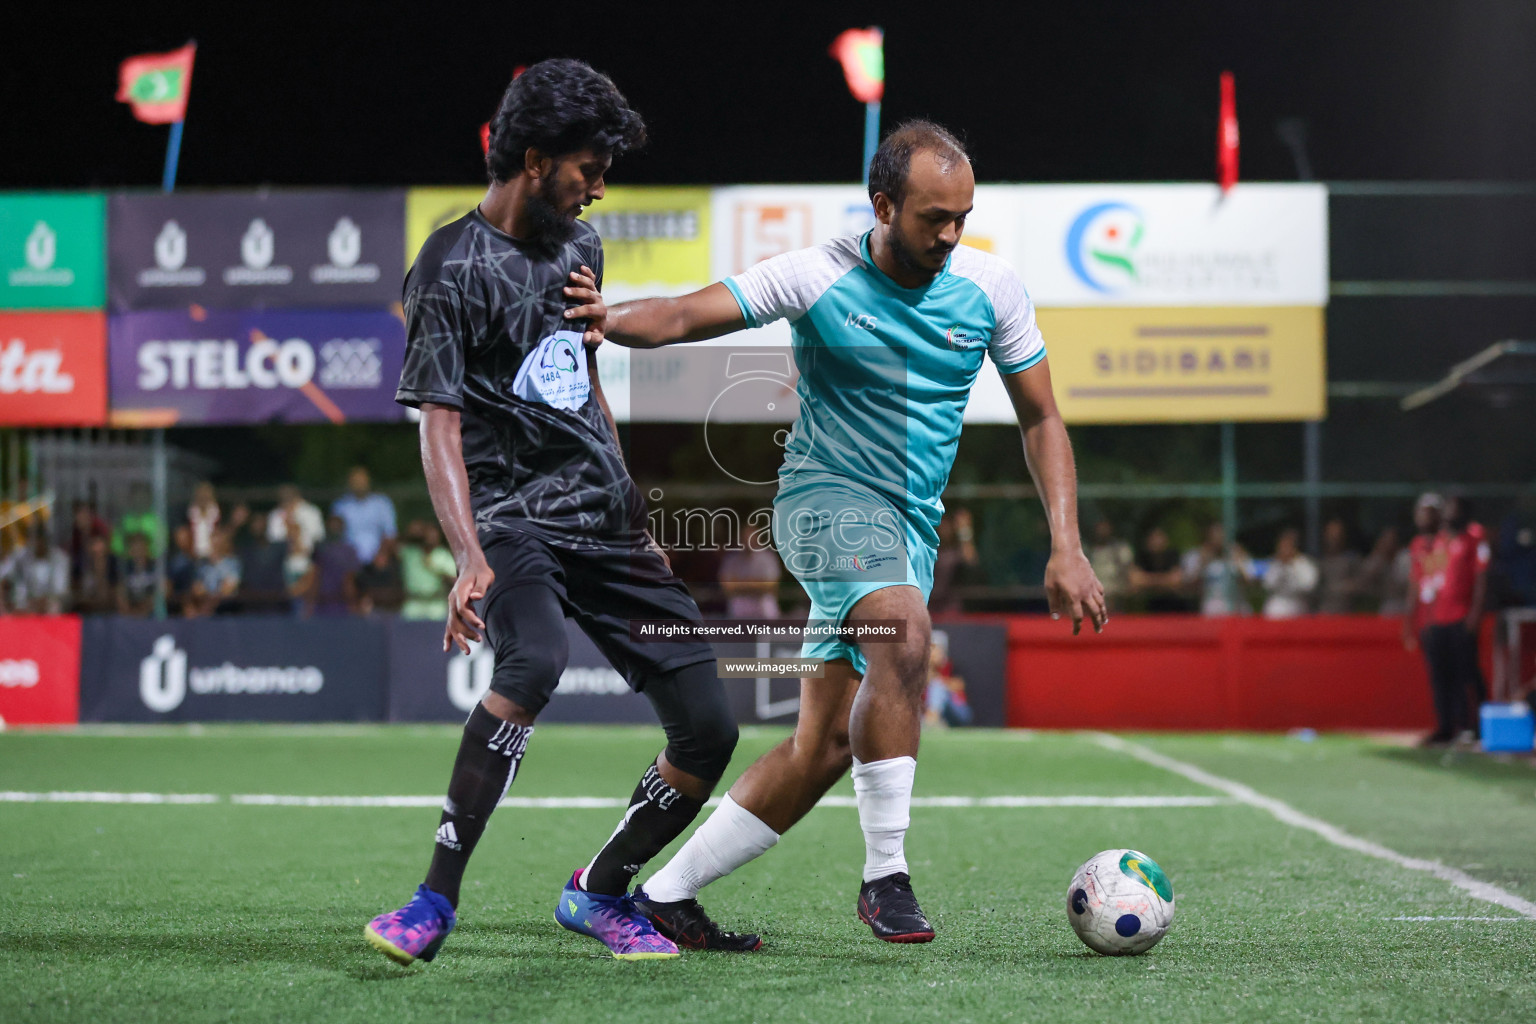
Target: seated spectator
x: 1113, y: 562
x: 138, y: 578
x: 293, y: 509
x: 956, y: 565
x: 1219, y: 574
x: 263, y: 588
x: 180, y: 569
x: 946, y: 702
x: 378, y: 582
x: 333, y: 585
x: 140, y: 518
x: 96, y: 581
x: 369, y: 517
x: 217, y: 582
x: 1339, y: 571
x: 427, y: 572
x: 38, y: 575
x: 203, y: 517
x: 298, y: 569
x: 1290, y: 578
x: 85, y: 526
x: 1384, y: 575
x: 1156, y: 574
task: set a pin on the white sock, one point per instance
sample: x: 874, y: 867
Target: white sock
x: 883, y: 790
x: 729, y: 838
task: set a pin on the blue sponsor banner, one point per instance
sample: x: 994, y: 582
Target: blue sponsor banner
x: 273, y: 366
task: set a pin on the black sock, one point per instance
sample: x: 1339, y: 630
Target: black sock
x: 657, y: 815
x: 488, y: 758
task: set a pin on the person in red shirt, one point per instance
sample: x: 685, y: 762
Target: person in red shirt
x: 1421, y: 594
x: 1457, y: 571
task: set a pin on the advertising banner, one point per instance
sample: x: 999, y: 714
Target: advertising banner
x: 52, y: 251
x: 1174, y: 245
x: 53, y: 369
x: 256, y: 250
x: 426, y: 685
x: 282, y: 366
x: 39, y: 669
x: 233, y: 670
x: 427, y: 209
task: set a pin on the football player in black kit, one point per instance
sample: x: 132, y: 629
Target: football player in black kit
x: 523, y: 464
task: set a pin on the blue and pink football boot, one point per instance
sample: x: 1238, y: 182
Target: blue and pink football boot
x: 614, y: 921
x: 414, y: 932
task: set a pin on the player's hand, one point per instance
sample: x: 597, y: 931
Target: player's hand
x: 1073, y: 589
x: 463, y: 624
x: 582, y: 290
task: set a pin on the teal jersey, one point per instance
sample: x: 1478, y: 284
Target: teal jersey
x: 886, y: 371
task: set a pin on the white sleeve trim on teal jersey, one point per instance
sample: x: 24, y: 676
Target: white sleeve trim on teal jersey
x: 1016, y: 342
x: 788, y: 285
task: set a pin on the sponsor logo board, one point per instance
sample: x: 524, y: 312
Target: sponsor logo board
x: 39, y: 669
x: 52, y: 251
x: 53, y: 369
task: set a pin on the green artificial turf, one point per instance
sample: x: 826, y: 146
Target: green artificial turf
x: 225, y: 911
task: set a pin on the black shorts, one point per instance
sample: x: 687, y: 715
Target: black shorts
x: 603, y: 590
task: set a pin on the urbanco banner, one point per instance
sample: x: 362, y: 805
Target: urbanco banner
x: 256, y: 250
x: 52, y: 250
x: 275, y: 366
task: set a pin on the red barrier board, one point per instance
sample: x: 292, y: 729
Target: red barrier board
x: 1186, y: 672
x: 40, y: 669
x: 53, y: 369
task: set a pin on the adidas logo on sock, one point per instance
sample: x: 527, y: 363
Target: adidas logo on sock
x: 448, y: 836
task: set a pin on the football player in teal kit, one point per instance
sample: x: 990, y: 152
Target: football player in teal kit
x: 889, y: 330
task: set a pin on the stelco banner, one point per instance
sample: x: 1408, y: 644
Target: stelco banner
x: 53, y: 369
x: 52, y: 251
x: 255, y: 367
x: 248, y: 250
x: 232, y: 669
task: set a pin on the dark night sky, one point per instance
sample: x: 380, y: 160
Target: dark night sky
x: 382, y: 93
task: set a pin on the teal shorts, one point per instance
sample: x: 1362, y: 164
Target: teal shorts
x: 844, y: 541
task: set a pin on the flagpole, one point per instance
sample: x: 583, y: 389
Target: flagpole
x: 871, y: 135
x: 172, y: 157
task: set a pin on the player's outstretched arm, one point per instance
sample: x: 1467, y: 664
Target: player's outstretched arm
x: 1070, y: 584
x: 442, y: 459
x: 651, y: 323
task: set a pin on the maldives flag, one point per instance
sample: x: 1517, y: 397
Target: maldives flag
x: 157, y: 84
x: 862, y: 54
x: 1226, y: 134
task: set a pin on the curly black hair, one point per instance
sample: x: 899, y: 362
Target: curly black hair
x: 559, y: 107
x: 888, y: 170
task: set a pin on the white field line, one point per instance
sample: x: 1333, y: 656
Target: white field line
x: 578, y: 802
x: 1521, y: 919
x: 1284, y: 812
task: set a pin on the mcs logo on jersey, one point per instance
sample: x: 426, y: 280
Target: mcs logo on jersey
x: 53, y: 369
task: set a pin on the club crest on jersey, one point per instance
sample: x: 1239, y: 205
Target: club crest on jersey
x: 555, y: 373
x: 960, y: 338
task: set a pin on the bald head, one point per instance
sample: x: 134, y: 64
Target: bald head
x: 892, y: 163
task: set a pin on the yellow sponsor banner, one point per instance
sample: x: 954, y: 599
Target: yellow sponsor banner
x: 1202, y: 364
x: 650, y: 235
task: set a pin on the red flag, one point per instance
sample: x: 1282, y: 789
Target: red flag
x: 485, y: 129
x: 1226, y: 134
x: 157, y: 84
x: 862, y: 54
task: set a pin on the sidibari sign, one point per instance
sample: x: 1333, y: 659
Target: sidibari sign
x: 291, y: 366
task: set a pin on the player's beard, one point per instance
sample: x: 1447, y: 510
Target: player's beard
x: 551, y: 228
x: 905, y: 255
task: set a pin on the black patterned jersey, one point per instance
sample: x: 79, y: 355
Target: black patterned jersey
x: 485, y: 334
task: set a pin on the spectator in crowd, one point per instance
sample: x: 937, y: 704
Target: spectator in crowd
x: 180, y: 568
x: 1384, y: 574
x: 1156, y: 574
x: 427, y: 572
x: 299, y: 573
x: 203, y: 516
x: 140, y: 518
x: 957, y: 563
x: 85, y: 526
x: 96, y: 581
x: 1458, y: 567
x: 1290, y: 579
x: 1515, y: 556
x: 138, y: 579
x: 1340, y: 571
x: 749, y: 577
x: 1219, y: 574
x: 263, y: 588
x: 946, y: 701
x: 369, y: 517
x: 37, y: 575
x: 293, y: 509
x: 217, y: 581
x: 333, y: 584
x: 378, y: 581
x: 1113, y: 562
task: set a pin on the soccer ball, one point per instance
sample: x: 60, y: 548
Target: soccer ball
x: 1120, y: 903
